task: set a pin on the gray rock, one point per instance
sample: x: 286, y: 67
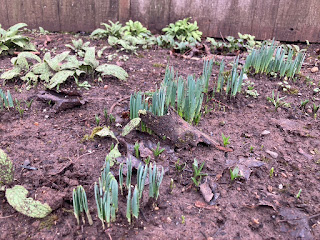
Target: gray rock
x: 272, y: 154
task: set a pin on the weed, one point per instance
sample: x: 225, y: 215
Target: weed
x: 19, y: 108
x: 277, y: 101
x: 315, y: 109
x: 158, y: 151
x: 183, y: 219
x: 136, y: 149
x: 147, y: 160
x: 303, y: 104
x: 180, y: 167
x: 97, y: 118
x: 28, y: 103
x: 197, y: 174
x: 225, y: 140
x: 235, y: 173
x: 251, y: 149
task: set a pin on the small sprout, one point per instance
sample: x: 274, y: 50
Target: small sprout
x: 29, y: 103
x: 147, y: 160
x: 315, y: 110
x: 158, y: 151
x: 303, y: 104
x: 183, y: 219
x: 197, y: 174
x: 171, y: 187
x: 129, y: 173
x: 225, y: 140
x: 299, y: 193
x: 121, y: 178
x: 180, y: 167
x: 97, y: 118
x: 19, y: 108
x: 251, y: 149
x: 271, y: 173
x: 111, y: 147
x: 277, y: 101
x: 235, y: 173
x: 112, y: 118
x: 136, y: 149
x: 155, y: 180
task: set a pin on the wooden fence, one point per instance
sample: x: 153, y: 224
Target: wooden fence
x: 287, y: 20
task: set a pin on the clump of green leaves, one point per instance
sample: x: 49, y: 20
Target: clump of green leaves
x: 80, y: 204
x: 56, y: 70
x: 11, y: 40
x: 6, y: 100
x: 197, y: 174
x: 126, y: 38
x: 157, y: 151
x: 183, y: 30
x: 231, y: 82
x: 136, y: 149
x: 277, y: 101
x: 106, y: 195
x: 78, y: 47
x: 245, y: 42
x: 155, y: 179
x: 235, y: 173
x: 225, y: 140
x: 263, y: 60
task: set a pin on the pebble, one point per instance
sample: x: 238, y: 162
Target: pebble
x: 314, y: 69
x: 280, y: 186
x: 272, y: 154
x: 250, y: 106
x: 265, y: 132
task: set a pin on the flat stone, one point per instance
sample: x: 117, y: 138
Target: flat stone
x: 265, y: 132
x: 272, y: 154
x: 314, y: 69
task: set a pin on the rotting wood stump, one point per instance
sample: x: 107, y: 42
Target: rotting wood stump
x: 180, y: 132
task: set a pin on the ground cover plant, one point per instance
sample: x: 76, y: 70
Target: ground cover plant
x: 258, y: 179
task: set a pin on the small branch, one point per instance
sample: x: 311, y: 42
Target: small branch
x: 115, y: 104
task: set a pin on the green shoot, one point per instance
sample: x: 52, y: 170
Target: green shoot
x: 158, y: 151
x: 271, y: 173
x: 136, y: 149
x: 183, y: 219
x: 277, y: 101
x: 251, y: 149
x: 129, y: 173
x: 141, y: 178
x: 97, y: 118
x: 315, y: 109
x: 28, y: 103
x: 147, y: 160
x: 303, y: 104
x: 128, y: 213
x: 299, y: 193
x: 197, y: 174
x: 80, y: 204
x: 225, y: 140
x: 171, y: 187
x: 180, y: 167
x: 19, y: 108
x: 155, y: 180
x: 235, y: 173
x: 121, y: 178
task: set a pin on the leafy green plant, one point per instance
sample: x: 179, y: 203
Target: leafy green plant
x: 80, y: 204
x: 197, y: 174
x: 11, y: 40
x: 55, y: 71
x: 183, y: 30
x: 157, y: 151
x: 6, y: 100
x: 155, y: 180
x: 113, y: 29
x: 235, y: 173
x: 277, y: 101
x: 136, y: 29
x: 78, y: 47
x: 225, y: 140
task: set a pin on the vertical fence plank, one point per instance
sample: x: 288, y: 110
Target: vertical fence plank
x: 106, y: 10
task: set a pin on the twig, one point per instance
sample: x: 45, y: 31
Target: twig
x: 222, y: 37
x: 115, y: 104
x: 7, y: 216
x: 296, y: 219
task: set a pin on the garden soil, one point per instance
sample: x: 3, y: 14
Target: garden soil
x: 261, y: 205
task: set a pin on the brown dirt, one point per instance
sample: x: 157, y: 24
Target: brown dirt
x: 258, y: 208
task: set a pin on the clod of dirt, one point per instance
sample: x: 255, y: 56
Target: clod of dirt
x: 272, y: 154
x: 297, y: 226
x: 50, y: 196
x: 208, y: 190
x: 174, y: 128
x: 245, y: 165
x: 291, y: 126
x: 61, y: 101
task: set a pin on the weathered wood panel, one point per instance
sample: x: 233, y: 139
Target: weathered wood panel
x: 290, y: 20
